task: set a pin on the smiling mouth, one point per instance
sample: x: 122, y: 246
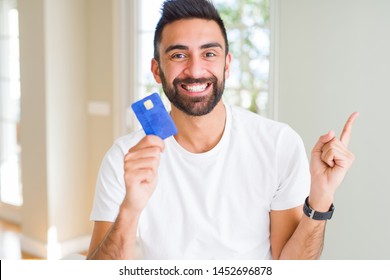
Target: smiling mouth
x: 195, y: 87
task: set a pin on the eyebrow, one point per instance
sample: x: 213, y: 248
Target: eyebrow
x: 183, y: 47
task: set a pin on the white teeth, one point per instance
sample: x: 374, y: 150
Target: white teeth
x: 197, y: 88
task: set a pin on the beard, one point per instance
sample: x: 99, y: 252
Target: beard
x: 193, y: 105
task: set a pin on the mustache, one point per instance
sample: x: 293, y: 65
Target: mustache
x: 210, y: 80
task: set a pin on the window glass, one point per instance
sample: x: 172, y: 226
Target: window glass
x: 10, y: 179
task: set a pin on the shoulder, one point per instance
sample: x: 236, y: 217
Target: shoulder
x: 256, y: 124
x: 122, y: 144
x: 111, y: 168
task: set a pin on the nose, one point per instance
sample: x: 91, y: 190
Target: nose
x: 195, y: 67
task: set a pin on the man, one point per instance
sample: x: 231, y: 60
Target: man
x: 230, y: 184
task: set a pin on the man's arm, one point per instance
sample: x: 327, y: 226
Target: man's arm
x: 300, y: 238
x: 118, y: 240
x: 296, y: 236
x: 114, y: 241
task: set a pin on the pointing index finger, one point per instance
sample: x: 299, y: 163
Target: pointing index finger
x: 347, y: 130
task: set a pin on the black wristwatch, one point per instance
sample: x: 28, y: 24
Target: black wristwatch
x: 315, y: 215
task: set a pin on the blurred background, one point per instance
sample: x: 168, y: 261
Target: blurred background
x: 69, y: 70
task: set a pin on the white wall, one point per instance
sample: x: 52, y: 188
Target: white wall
x: 53, y: 126
x: 66, y: 61
x: 334, y: 58
x: 34, y: 219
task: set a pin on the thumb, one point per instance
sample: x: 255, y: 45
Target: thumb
x: 322, y: 141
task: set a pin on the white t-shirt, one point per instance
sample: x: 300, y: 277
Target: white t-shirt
x: 213, y: 205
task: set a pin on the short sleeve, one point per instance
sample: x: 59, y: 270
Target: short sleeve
x: 293, y: 171
x: 110, y: 186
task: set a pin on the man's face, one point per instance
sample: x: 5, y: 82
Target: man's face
x: 193, y: 65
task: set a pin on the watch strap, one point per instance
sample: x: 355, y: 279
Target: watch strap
x: 315, y: 215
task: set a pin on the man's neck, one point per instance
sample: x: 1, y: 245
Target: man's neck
x: 200, y: 134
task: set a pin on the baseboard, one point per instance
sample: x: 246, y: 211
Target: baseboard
x: 55, y: 251
x: 10, y: 213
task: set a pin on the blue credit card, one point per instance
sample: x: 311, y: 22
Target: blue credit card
x: 153, y: 116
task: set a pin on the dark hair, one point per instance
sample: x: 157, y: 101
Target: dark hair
x: 173, y: 10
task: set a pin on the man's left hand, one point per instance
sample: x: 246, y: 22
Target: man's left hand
x: 330, y: 161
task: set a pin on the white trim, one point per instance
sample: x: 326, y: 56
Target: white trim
x: 124, y: 53
x: 119, y: 45
x: 274, y: 58
x: 10, y: 213
x: 55, y: 251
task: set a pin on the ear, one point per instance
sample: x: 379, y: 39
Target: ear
x: 155, y: 70
x: 227, y: 65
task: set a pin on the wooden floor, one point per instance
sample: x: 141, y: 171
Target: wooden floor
x: 10, y: 248
x: 10, y: 244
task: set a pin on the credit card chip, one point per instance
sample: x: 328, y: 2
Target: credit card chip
x: 148, y: 104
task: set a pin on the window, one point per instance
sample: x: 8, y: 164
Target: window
x: 10, y: 179
x: 247, y: 24
x: 150, y: 14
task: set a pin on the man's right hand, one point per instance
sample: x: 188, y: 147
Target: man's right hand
x: 117, y: 241
x: 140, y: 172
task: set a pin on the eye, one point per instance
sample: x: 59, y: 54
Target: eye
x: 178, y: 56
x: 210, y: 54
